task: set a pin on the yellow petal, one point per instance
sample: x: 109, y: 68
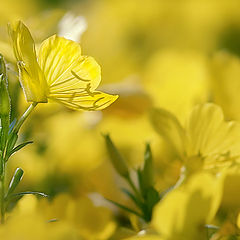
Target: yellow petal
x: 66, y: 71
x: 183, y: 213
x: 209, y: 134
x: 31, y: 77
x: 85, y: 101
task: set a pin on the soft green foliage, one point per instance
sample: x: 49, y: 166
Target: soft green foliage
x: 144, y: 195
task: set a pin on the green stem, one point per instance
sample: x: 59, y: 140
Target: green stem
x: 2, y: 192
x: 3, y: 161
x: 24, y: 116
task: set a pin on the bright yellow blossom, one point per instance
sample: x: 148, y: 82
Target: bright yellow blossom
x: 57, y: 72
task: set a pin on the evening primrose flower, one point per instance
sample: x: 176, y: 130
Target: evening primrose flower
x: 57, y: 71
x: 206, y: 141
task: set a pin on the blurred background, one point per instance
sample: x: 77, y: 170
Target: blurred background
x: 153, y: 53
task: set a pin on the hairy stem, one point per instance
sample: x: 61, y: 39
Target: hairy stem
x: 24, y: 116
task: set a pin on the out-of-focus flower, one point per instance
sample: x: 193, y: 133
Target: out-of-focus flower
x: 58, y: 72
x: 91, y: 222
x: 183, y: 213
x: 63, y: 218
x: 29, y: 223
x: 207, y: 141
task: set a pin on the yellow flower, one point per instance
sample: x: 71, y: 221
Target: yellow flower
x: 29, y: 222
x: 57, y: 72
x: 206, y: 141
x: 183, y: 213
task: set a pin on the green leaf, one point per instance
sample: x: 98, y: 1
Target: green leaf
x: 140, y: 181
x: 12, y: 139
x: 152, y: 198
x: 148, y: 167
x: 27, y: 193
x: 17, y: 177
x: 146, y: 174
x: 19, y: 147
x: 125, y: 208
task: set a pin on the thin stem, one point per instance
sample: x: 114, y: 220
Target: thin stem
x: 3, y: 161
x: 24, y: 116
x: 2, y: 192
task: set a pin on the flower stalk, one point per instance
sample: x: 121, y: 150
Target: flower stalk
x: 24, y: 117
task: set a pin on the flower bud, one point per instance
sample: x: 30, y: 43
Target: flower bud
x: 116, y: 158
x: 148, y: 168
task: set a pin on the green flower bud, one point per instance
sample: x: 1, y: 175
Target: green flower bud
x: 116, y: 158
x: 17, y: 177
x: 148, y: 174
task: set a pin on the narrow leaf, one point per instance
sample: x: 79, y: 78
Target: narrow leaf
x: 146, y: 174
x: 27, y: 193
x: 12, y: 139
x: 16, y: 179
x: 20, y: 146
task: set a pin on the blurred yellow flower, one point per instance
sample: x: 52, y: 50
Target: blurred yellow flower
x: 91, y: 222
x: 57, y: 72
x: 183, y: 213
x: 29, y: 223
x: 207, y: 140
